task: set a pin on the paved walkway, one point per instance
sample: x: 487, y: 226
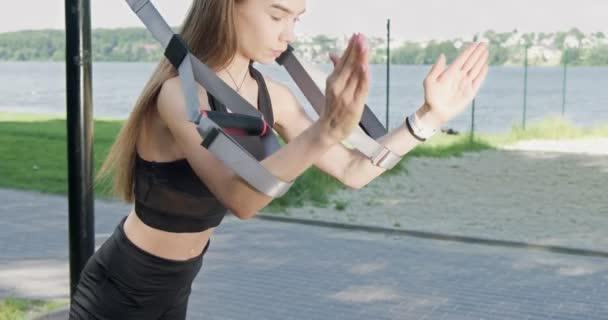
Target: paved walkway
x: 259, y: 269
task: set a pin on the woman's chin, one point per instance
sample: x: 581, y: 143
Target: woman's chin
x: 265, y: 60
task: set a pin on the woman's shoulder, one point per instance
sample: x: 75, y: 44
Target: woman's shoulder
x: 279, y: 92
x: 171, y: 91
x: 171, y: 86
x: 285, y: 103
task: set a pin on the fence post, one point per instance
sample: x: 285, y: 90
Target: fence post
x: 388, y: 71
x: 565, y: 81
x: 473, y: 107
x: 525, y: 86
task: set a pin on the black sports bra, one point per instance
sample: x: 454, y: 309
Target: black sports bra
x: 170, y: 196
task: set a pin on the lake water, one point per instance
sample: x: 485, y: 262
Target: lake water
x: 39, y: 87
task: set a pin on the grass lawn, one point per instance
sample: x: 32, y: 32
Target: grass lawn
x: 22, y: 309
x: 33, y: 153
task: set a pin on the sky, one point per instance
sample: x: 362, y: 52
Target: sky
x: 411, y: 20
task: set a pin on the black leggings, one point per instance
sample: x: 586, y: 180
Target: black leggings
x: 122, y: 281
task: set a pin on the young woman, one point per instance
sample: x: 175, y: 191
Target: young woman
x: 181, y: 192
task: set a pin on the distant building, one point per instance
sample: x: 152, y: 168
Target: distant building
x: 544, y: 55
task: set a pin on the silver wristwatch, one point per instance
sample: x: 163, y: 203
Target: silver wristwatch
x: 418, y: 129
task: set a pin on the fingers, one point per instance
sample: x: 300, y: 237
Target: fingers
x: 360, y: 71
x: 437, y: 68
x: 464, y: 56
x: 348, y: 61
x: 334, y: 58
x: 345, y: 54
x: 459, y: 62
x: 480, y: 78
x: 478, y: 66
x: 362, y: 90
x: 347, y: 88
x: 359, y: 67
x: 478, y: 53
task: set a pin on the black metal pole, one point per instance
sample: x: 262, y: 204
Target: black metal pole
x: 388, y: 70
x: 79, y: 135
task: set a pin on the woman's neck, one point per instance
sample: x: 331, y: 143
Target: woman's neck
x: 236, y: 71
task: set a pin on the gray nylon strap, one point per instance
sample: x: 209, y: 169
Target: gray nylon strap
x: 148, y: 14
x: 155, y: 23
x: 246, y: 166
x: 189, y: 88
x: 232, y: 100
x: 312, y: 83
x: 223, y: 146
x: 359, y: 139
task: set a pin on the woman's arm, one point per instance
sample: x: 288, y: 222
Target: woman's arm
x: 350, y: 167
x: 447, y: 92
x: 360, y: 171
x: 233, y: 192
x: 348, y: 91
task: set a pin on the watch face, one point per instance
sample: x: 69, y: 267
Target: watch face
x: 421, y: 131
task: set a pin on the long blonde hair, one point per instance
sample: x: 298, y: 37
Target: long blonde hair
x: 209, y: 31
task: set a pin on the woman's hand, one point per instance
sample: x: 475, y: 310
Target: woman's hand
x: 447, y: 92
x: 346, y: 90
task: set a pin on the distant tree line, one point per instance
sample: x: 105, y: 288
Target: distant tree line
x: 136, y: 44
